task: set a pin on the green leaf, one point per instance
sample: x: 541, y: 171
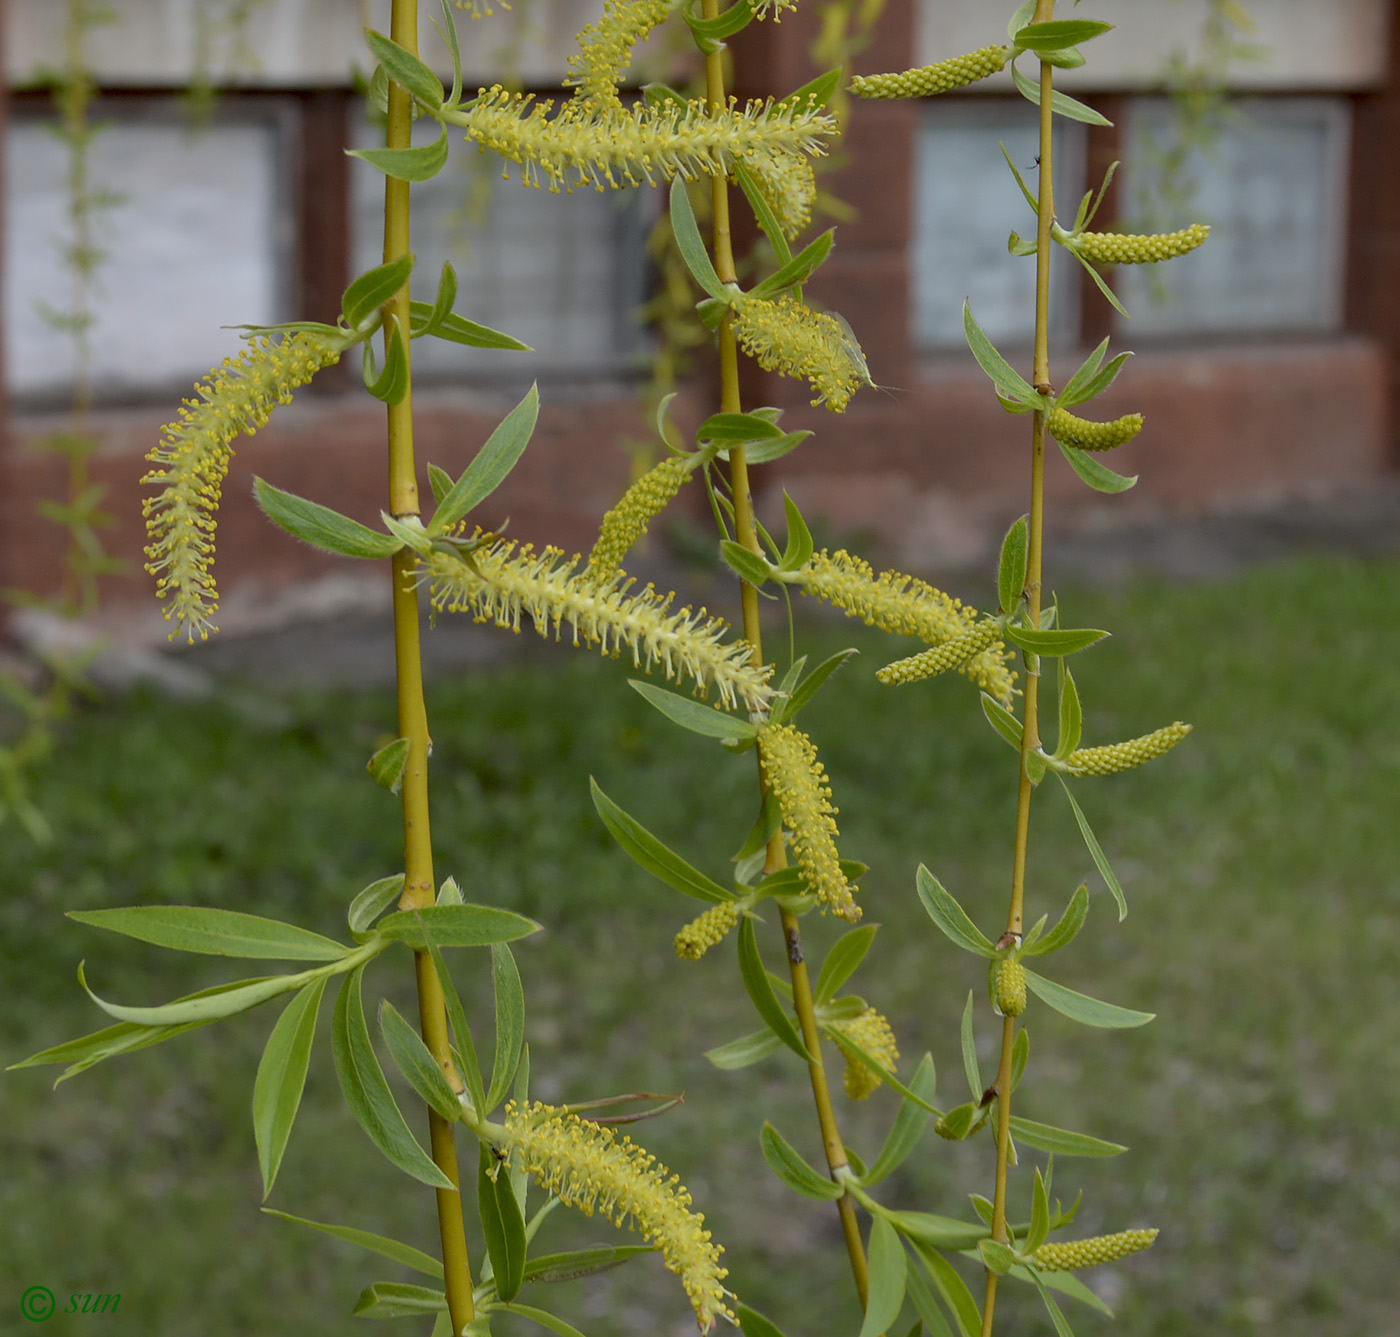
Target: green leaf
x: 1020, y: 1053
x: 1020, y: 18
x: 939, y: 1232
x: 996, y: 1257
x: 1071, y: 715
x: 239, y: 996
x: 754, y: 1324
x: 816, y: 92
x: 797, y: 270
x: 877, y: 1069
x: 372, y: 289
x: 690, y: 244
x: 656, y: 857
x: 846, y: 954
x: 736, y: 429
x: 1007, y: 381
x: 1098, y: 476
x: 1062, y: 1327
x: 371, y: 902
x: 1066, y: 930
x: 1060, y: 641
x: 789, y: 1166
x: 510, y: 1022
x: 392, y: 384
x: 397, y: 1299
x: 468, y: 1068
x: 950, y: 917
x: 1060, y: 103
x: 799, y: 542
x: 1102, y: 286
x: 742, y: 1052
x: 1096, y: 851
x: 952, y: 1288
x: 935, y: 1325
x: 969, y: 1052
x: 1057, y: 34
x: 190, y: 928
x: 552, y: 1267
x: 544, y: 1318
x: 448, y: 33
x: 908, y: 1125
x: 763, y: 212
x: 1096, y: 384
x: 406, y: 69
x: 282, y: 1077
x: 454, y: 329
x: 705, y: 720
x: 774, y: 448
x: 416, y: 164
x: 1060, y: 1142
x: 413, y: 1058
x: 1083, y: 1009
x: 456, y: 926
x: 1016, y: 246
x: 320, y: 526
x: 1002, y: 720
x: 440, y: 481
x: 502, y: 1224
x: 761, y: 992
x: 1040, y: 1216
x: 387, y: 766
x: 124, y: 1038
x: 387, y: 1248
x: 710, y: 33
x: 367, y: 1093
x: 656, y: 94
x: 1011, y: 571
x: 1083, y: 374
x: 492, y: 463
x: 746, y: 565
x: 807, y: 688
x: 1064, y: 1282
x: 409, y: 531
x: 887, y: 1270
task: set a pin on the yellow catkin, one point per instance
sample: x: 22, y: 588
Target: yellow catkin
x: 193, y: 457
x: 873, y: 1033
x: 587, y: 1167
x: 503, y: 582
x: 940, y: 658
x: 605, y: 49
x: 1086, y: 435
x: 630, y: 145
x: 906, y: 606
x: 705, y: 931
x: 798, y: 780
x: 627, y: 521
x: 929, y: 80
x: 788, y: 183
x: 1008, y: 981
x: 1071, y: 1255
x: 785, y: 336
x: 1115, y: 248
x: 1124, y: 756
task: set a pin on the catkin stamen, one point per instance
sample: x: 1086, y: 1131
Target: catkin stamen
x: 605, y: 49
x: 788, y: 759
x: 706, y: 931
x: 586, y: 1167
x: 785, y: 336
x: 872, y: 1032
x: 193, y: 457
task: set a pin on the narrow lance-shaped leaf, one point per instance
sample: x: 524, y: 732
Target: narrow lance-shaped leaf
x: 1009, y: 382
x: 405, y: 69
x: 846, y: 954
x: 704, y: 720
x: 807, y: 688
x: 282, y: 1078
x: 754, y: 1324
x: 1098, y: 476
x: 492, y: 463
x: 413, y: 1058
x: 935, y: 1325
x: 908, y: 1124
x: 1083, y: 1009
x: 364, y: 1239
x: 456, y: 926
x: 366, y: 1091
x: 745, y: 564
x: 1056, y: 641
x: 653, y: 854
x: 322, y: 527
x: 1002, y: 720
x: 502, y: 1224
x: 1060, y: 103
x: 455, y: 329
x: 789, y: 1166
x: 761, y: 992
x: 969, y: 1051
x: 1071, y: 714
x: 690, y: 244
x: 392, y: 384
x: 763, y: 212
x: 372, y: 289
x: 370, y: 903
x: 1096, y: 851
x: 1061, y: 1141
x: 413, y: 164
x: 1011, y: 571
x: 510, y: 1022
x: 746, y: 1050
x: 397, y: 1299
x: 191, y: 928
x: 952, y: 1288
x: 469, y: 1069
x: 877, y: 1069
x: 799, y: 269
x: 387, y: 766
x: 240, y: 996
x: 887, y: 1271
x: 950, y: 917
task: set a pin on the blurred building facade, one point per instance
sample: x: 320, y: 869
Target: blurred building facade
x: 1266, y: 363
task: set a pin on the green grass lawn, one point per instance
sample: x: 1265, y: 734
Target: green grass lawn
x: 1261, y: 861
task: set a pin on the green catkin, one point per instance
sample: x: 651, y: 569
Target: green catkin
x: 1116, y: 248
x: 500, y: 583
x: 906, y: 606
x: 193, y: 454
x: 1071, y: 1255
x: 586, y: 1167
x: 785, y: 336
x: 639, y: 505
x: 631, y: 145
x: 1116, y: 757
x: 1086, y: 435
x: 929, y: 80
x: 1008, y: 987
x: 798, y: 780
x: 605, y: 49
x: 873, y: 1033
x: 940, y: 658
x: 706, y: 931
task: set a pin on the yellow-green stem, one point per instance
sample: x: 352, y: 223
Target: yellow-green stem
x: 419, y: 882
x: 1030, y: 730
x: 746, y: 533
